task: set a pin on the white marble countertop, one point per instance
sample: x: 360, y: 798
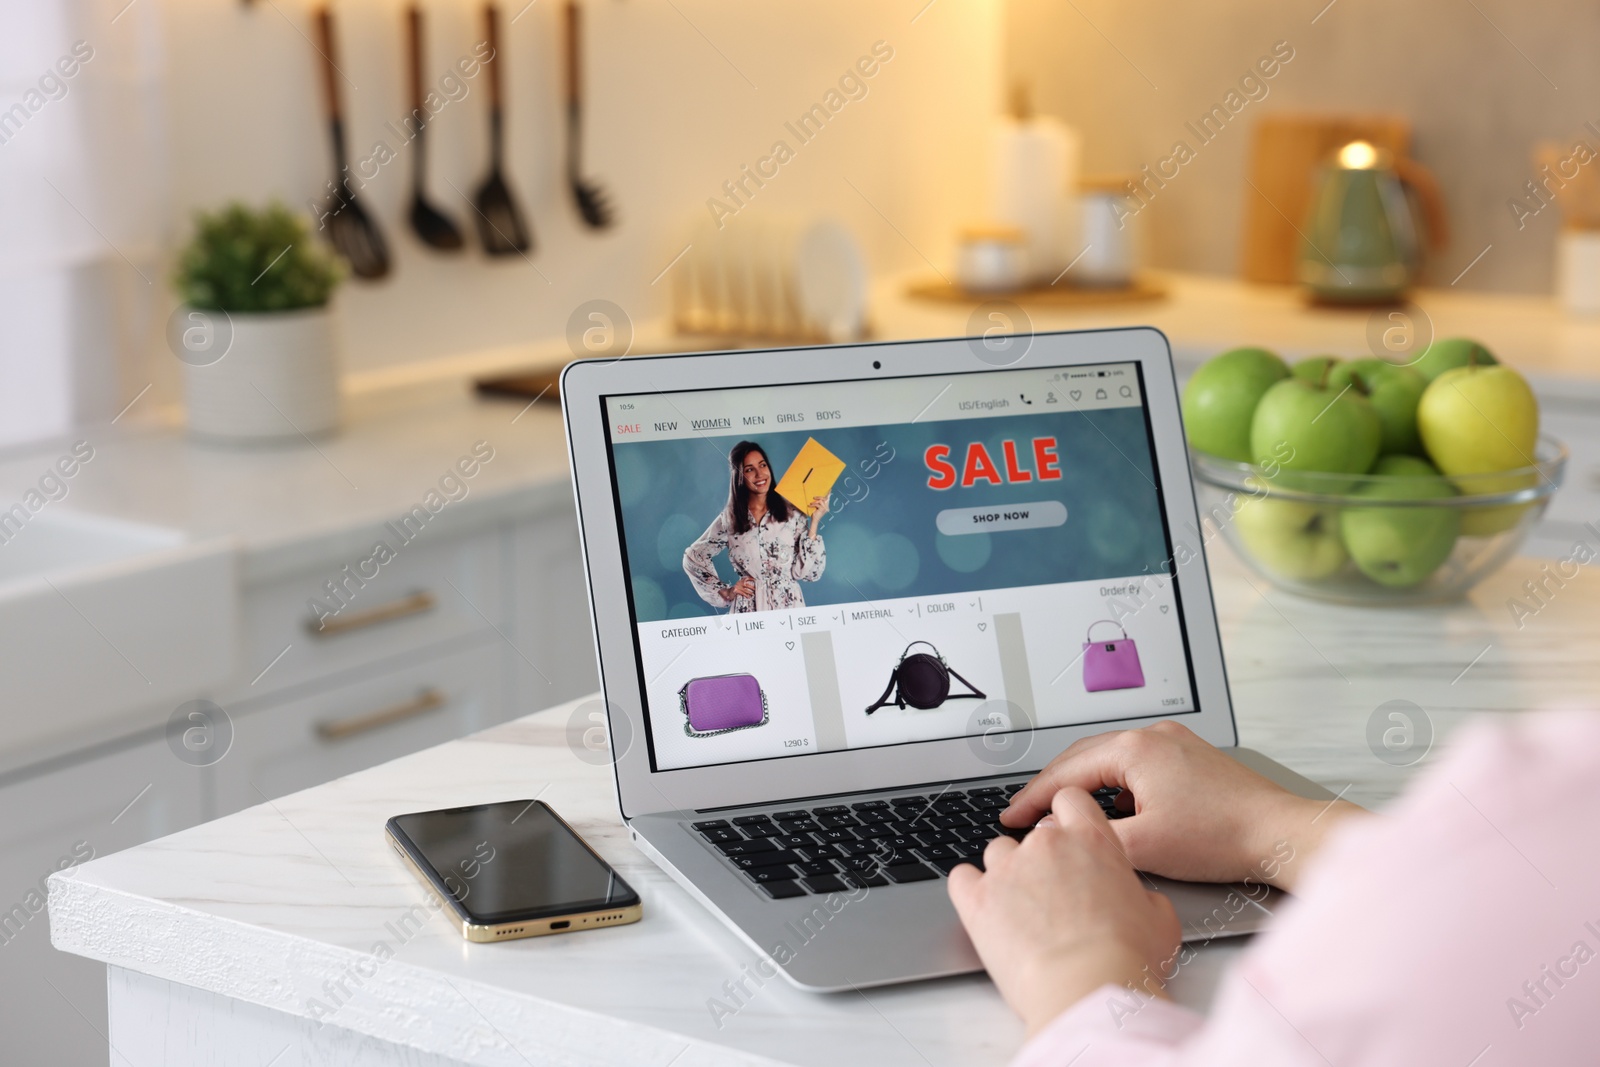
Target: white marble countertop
x: 1205, y: 314
x: 287, y: 507
x: 1201, y: 315
x: 275, y: 905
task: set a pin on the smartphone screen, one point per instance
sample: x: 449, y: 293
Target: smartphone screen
x: 509, y: 861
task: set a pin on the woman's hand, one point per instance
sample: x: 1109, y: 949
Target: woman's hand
x: 1200, y: 814
x: 819, y: 508
x: 744, y: 587
x: 1063, y: 913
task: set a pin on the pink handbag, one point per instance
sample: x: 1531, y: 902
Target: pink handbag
x: 1111, y: 664
x: 721, y: 703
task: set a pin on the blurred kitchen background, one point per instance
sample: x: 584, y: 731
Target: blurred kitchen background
x: 169, y: 528
x: 188, y: 104
x: 191, y: 103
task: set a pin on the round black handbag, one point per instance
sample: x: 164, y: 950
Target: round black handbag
x: 922, y: 681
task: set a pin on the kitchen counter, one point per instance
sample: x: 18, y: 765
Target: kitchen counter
x: 288, y: 506
x: 251, y: 939
x: 1207, y: 314
x: 1201, y: 315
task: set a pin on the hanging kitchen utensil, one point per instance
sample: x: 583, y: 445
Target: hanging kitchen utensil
x: 500, y: 225
x: 430, y: 224
x: 591, y: 199
x: 352, y: 232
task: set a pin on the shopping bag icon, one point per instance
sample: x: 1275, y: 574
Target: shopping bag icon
x: 811, y: 475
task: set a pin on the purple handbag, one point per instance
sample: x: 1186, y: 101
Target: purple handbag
x: 1111, y: 664
x: 720, y: 703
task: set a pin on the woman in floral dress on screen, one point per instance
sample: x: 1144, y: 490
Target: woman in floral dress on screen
x: 769, y: 541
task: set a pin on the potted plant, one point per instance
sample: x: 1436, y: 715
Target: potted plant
x: 255, y: 335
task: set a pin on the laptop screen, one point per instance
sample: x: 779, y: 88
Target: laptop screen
x: 846, y: 565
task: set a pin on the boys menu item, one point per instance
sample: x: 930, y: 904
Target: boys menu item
x: 993, y: 515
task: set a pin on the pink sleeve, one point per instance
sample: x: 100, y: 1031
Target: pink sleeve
x: 1111, y: 1027
x: 1460, y: 928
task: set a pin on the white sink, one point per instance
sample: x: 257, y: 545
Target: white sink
x: 55, y: 542
x: 107, y: 625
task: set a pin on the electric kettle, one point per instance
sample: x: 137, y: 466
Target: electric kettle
x: 1371, y: 215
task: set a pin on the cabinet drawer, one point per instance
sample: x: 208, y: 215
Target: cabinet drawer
x: 53, y: 1004
x: 426, y: 594
x: 281, y: 748
x: 554, y: 659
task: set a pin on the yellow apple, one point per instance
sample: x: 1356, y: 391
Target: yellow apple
x: 1481, y: 420
x: 1290, y: 539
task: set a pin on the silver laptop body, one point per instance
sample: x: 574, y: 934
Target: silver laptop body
x: 1018, y: 514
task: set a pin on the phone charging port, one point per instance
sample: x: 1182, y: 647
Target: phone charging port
x: 562, y: 925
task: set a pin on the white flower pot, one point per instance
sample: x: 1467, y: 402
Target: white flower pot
x: 277, y: 380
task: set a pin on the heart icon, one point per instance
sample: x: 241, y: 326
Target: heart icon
x: 1165, y: 609
x: 789, y: 645
x: 1076, y: 394
x: 982, y: 626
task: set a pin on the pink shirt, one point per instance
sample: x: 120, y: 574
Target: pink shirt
x: 1462, y: 929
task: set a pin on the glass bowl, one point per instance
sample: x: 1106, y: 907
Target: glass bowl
x: 1374, y: 539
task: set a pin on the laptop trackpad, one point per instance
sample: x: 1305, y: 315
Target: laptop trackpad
x: 1210, y: 911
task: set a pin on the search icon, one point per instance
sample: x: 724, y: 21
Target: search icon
x: 1126, y: 391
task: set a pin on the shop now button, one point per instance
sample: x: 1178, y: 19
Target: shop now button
x: 955, y: 521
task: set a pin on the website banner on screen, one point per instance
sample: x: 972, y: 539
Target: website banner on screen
x: 844, y: 565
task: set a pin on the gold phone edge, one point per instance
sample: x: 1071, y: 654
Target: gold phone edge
x: 487, y: 934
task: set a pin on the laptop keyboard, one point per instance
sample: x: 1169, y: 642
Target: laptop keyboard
x: 869, y: 843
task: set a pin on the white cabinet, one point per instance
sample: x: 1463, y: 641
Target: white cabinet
x: 554, y: 656
x: 284, y: 747
x: 1577, y: 424
x: 53, y: 1005
x: 453, y: 635
x: 432, y: 592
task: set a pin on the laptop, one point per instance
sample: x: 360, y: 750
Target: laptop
x: 820, y: 698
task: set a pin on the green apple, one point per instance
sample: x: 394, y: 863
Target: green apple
x: 1394, y: 392
x: 1314, y: 369
x: 1449, y: 354
x: 1290, y: 539
x: 1394, y: 544
x: 1482, y: 420
x: 1221, y: 397
x: 1301, y: 427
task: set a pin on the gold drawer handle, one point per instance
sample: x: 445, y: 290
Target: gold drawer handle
x: 426, y: 700
x: 415, y: 604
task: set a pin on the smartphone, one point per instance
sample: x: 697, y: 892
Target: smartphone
x: 513, y: 869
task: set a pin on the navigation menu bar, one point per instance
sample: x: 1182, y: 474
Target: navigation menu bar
x: 885, y: 401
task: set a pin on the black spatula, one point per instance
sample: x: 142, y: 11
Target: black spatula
x: 430, y: 224
x: 352, y: 232
x: 500, y: 225
x: 589, y: 196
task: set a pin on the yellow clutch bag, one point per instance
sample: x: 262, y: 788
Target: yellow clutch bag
x: 811, y: 475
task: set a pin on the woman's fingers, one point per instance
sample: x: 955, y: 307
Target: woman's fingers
x: 1073, y: 806
x: 964, y: 880
x: 1089, y: 764
x: 997, y: 850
